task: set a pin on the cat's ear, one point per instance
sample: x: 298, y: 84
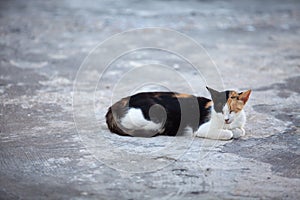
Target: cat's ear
x: 244, y: 96
x: 213, y: 93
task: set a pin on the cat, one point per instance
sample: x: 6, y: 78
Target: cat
x: 150, y: 114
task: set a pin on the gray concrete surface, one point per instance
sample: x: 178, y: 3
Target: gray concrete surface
x: 255, y: 44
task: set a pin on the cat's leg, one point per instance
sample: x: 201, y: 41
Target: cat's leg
x: 220, y: 134
x: 206, y: 131
x: 202, y: 130
x: 238, y: 132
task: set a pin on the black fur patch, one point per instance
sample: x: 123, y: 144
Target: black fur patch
x: 174, y: 111
x: 219, y: 99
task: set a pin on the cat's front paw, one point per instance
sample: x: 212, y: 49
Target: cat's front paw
x: 225, y: 134
x: 219, y: 134
x: 238, y: 132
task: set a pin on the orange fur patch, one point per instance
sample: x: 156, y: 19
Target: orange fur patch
x: 209, y: 104
x: 245, y: 96
x: 236, y: 102
x: 182, y: 95
x: 124, y: 101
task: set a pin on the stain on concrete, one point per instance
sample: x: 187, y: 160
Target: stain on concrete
x: 282, y: 151
x: 288, y: 114
x: 290, y: 84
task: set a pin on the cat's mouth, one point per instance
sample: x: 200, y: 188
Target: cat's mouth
x: 227, y: 122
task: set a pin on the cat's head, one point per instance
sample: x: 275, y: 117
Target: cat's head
x: 229, y: 103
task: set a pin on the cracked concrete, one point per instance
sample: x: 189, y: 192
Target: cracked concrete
x: 43, y: 156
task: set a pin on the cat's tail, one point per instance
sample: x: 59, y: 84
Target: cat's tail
x: 112, y: 123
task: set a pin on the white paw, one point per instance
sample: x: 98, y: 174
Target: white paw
x: 238, y: 132
x: 219, y: 134
x: 200, y: 134
x: 225, y: 135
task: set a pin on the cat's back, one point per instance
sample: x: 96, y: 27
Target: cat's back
x: 155, y: 113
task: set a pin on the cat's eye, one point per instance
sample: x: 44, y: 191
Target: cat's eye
x: 233, y: 97
x: 230, y: 112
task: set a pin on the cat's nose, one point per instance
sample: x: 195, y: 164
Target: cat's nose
x: 227, y: 121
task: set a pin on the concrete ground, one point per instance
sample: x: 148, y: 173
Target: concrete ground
x: 52, y: 146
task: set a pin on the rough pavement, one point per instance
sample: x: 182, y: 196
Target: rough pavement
x: 255, y: 45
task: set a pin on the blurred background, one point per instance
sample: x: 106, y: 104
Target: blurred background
x: 254, y: 44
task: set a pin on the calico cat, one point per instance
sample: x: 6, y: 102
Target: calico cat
x: 168, y: 113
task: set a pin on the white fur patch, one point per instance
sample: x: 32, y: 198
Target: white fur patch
x: 217, y: 129
x: 134, y: 120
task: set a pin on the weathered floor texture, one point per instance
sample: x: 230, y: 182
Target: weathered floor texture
x: 54, y: 143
